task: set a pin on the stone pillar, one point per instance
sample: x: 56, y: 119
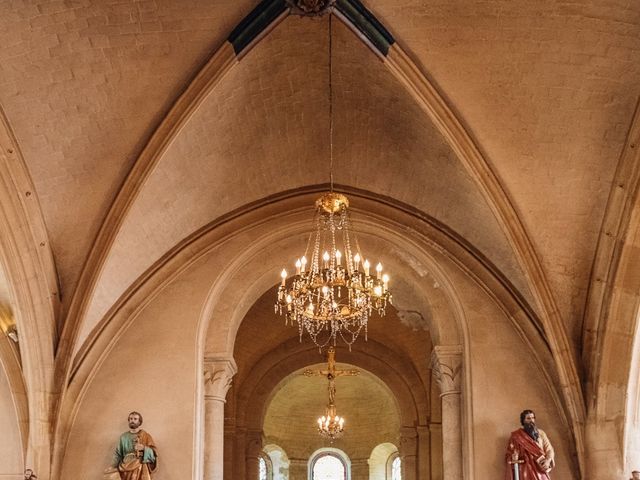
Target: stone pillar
x: 446, y: 362
x: 230, y: 470
x: 424, y: 452
x: 217, y: 380
x: 240, y: 454
x: 254, y: 450
x: 360, y: 469
x: 298, y: 468
x: 408, y: 451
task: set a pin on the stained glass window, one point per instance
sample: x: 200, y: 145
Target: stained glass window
x: 328, y: 467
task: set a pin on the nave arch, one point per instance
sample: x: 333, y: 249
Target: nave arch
x: 613, y: 425
x: 178, y: 306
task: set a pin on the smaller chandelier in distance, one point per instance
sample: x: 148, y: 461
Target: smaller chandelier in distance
x: 331, y: 425
x: 334, y: 293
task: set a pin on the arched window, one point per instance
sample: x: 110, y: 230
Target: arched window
x: 329, y: 467
x: 396, y: 469
x: 265, y: 470
x: 329, y: 464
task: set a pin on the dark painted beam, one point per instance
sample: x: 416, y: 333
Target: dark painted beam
x: 367, y: 24
x: 253, y: 24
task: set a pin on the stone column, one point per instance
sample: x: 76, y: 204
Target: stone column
x: 254, y: 450
x: 360, y: 469
x: 446, y: 362
x: 217, y: 380
x: 230, y: 470
x: 408, y: 451
x: 239, y: 454
x: 298, y: 468
x: 424, y: 452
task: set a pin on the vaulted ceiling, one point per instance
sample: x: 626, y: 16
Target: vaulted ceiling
x: 137, y: 126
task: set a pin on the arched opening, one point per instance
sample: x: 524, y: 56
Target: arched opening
x: 394, y: 467
x: 265, y: 467
x: 279, y: 461
x: 329, y: 464
x: 380, y: 461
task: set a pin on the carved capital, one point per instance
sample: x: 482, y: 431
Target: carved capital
x: 446, y: 363
x: 218, y: 374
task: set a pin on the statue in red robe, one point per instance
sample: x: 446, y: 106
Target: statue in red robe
x: 530, y: 449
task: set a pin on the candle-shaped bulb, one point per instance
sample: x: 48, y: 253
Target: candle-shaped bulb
x: 357, y: 259
x: 325, y: 256
x: 378, y: 269
x: 303, y: 262
x: 366, y: 266
x: 283, y: 274
x: 338, y: 256
x: 298, y: 266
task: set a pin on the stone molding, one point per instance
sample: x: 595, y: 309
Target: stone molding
x: 446, y: 363
x: 218, y: 375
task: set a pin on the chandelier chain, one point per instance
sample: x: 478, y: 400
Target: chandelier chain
x: 330, y: 104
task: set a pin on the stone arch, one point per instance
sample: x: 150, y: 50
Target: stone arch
x: 379, y: 461
x: 334, y: 452
x: 614, y: 404
x: 258, y: 388
x: 279, y: 460
x: 422, y: 238
x: 27, y: 260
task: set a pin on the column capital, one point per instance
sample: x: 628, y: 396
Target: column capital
x: 446, y: 363
x: 218, y: 374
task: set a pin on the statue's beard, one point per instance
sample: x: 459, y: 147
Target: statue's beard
x: 532, y: 430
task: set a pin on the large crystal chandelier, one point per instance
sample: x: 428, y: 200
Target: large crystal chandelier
x: 333, y: 292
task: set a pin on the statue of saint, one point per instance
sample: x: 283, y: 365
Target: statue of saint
x: 136, y: 456
x: 29, y: 475
x: 529, y: 453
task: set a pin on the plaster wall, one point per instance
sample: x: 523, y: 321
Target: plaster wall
x: 152, y: 369
x: 11, y: 464
x: 506, y: 379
